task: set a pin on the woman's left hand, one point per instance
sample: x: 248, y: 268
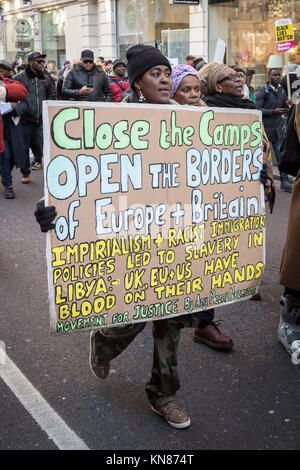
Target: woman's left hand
x: 264, y: 177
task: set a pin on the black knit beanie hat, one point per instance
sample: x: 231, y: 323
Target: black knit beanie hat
x: 118, y: 62
x: 141, y: 58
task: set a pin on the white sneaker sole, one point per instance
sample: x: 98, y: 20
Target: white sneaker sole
x: 186, y: 424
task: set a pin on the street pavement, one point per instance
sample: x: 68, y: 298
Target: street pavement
x: 245, y: 399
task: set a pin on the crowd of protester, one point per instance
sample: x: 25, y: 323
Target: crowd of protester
x: 147, y: 77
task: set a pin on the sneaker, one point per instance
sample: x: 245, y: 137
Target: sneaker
x: 25, y: 180
x: 37, y: 166
x: 289, y: 336
x: 174, y: 414
x: 289, y: 324
x: 9, y: 193
x: 99, y: 367
x: 212, y: 337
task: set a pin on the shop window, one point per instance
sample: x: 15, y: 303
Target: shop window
x: 53, y: 36
x: 156, y: 23
x: 248, y: 29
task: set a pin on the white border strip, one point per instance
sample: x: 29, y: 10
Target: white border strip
x: 45, y: 416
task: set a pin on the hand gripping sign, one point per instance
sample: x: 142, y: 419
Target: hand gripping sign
x: 285, y: 37
x: 160, y: 211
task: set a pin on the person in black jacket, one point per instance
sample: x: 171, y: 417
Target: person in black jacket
x: 271, y: 99
x: 39, y: 88
x: 86, y: 82
x: 295, y: 83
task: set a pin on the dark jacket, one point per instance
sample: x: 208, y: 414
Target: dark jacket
x: 79, y: 77
x: 267, y: 100
x: 295, y: 83
x: 14, y: 133
x: 39, y: 88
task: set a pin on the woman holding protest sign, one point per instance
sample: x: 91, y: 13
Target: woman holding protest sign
x: 186, y: 91
x: 149, y: 74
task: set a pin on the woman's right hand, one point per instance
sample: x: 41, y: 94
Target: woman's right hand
x: 45, y: 216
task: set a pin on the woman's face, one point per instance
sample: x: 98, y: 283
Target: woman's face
x: 242, y: 76
x: 188, y: 91
x: 231, y: 83
x: 155, y: 85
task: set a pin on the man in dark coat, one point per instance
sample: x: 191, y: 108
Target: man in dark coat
x: 39, y: 88
x: 86, y: 82
x: 271, y: 99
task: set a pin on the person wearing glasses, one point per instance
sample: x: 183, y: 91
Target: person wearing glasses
x: 39, y: 89
x: 223, y: 87
x: 86, y: 82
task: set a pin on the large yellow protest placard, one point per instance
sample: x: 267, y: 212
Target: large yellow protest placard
x: 160, y: 211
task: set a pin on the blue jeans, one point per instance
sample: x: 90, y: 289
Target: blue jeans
x: 33, y: 138
x: 7, y: 164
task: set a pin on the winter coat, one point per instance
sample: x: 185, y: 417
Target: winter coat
x: 295, y: 83
x: 14, y: 92
x: 118, y: 87
x: 40, y: 88
x: 290, y: 265
x: 267, y: 100
x: 14, y: 133
x: 78, y: 77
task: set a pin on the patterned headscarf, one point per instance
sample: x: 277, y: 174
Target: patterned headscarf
x: 178, y: 73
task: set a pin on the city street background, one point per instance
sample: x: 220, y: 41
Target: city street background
x: 244, y: 399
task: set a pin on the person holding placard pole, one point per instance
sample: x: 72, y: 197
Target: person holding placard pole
x: 271, y: 99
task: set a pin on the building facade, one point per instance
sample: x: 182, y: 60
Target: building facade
x: 62, y: 28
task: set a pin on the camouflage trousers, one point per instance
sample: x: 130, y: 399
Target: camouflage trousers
x: 164, y: 381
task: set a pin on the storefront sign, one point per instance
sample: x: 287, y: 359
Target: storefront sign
x: 160, y: 211
x: 285, y: 37
x: 23, y: 44
x: 23, y: 27
x: 24, y: 39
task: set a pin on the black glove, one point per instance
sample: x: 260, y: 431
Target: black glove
x: 45, y: 215
x: 264, y: 174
